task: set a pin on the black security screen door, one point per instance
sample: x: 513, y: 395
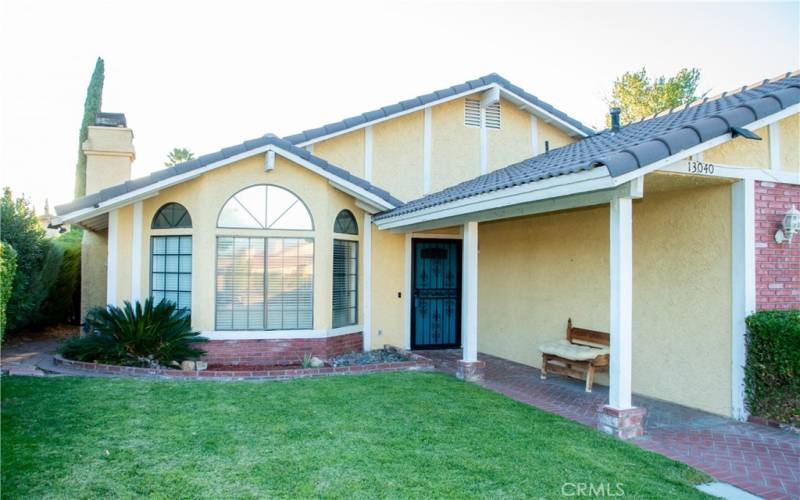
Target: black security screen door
x: 436, y: 294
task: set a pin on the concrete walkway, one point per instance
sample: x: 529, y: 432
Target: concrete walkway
x: 762, y: 460
x: 27, y: 357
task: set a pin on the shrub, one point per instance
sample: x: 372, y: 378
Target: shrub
x: 772, y: 371
x: 8, y: 267
x: 135, y: 335
x: 63, y: 302
x: 20, y: 228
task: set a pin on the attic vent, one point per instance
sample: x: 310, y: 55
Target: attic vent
x: 472, y: 114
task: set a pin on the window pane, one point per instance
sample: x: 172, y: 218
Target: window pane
x: 265, y: 207
x: 295, y: 217
x: 171, y: 216
x: 345, y: 283
x: 167, y: 276
x: 254, y: 201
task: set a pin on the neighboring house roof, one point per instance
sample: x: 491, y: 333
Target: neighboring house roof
x: 635, y: 145
x: 365, y: 119
x: 221, y: 155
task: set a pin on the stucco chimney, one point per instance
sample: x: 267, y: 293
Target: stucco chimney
x: 109, y: 152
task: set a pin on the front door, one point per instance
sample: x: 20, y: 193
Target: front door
x: 436, y: 294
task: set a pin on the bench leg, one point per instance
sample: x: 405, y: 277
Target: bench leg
x: 543, y: 371
x: 589, y: 377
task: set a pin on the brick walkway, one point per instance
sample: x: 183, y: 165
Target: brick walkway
x: 763, y: 460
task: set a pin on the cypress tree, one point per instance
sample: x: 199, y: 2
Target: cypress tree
x: 94, y: 99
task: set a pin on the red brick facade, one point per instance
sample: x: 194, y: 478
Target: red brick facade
x: 278, y: 352
x: 777, y: 266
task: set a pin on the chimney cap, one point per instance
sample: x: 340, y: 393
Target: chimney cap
x: 111, y: 120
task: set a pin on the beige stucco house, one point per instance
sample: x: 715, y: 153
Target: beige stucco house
x: 475, y: 217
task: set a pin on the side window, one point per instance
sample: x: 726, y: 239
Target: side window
x: 345, y: 223
x: 345, y: 283
x: 172, y: 216
x: 171, y: 270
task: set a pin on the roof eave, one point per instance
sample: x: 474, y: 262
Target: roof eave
x: 530, y: 107
x: 152, y: 190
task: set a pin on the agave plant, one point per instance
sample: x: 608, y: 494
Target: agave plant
x: 136, y: 335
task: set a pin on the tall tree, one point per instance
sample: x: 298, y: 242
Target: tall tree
x: 178, y: 155
x: 94, y: 100
x: 639, y: 96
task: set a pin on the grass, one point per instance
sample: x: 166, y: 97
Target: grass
x: 382, y: 435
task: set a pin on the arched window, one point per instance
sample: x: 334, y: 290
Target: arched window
x: 265, y: 207
x: 345, y: 223
x: 172, y: 216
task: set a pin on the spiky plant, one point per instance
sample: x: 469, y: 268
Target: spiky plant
x: 136, y: 335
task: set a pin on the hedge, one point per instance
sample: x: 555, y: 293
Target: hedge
x: 8, y: 267
x: 772, y: 370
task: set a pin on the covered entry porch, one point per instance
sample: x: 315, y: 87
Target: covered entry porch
x: 654, y: 270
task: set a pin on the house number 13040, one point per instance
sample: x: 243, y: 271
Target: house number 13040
x: 698, y: 167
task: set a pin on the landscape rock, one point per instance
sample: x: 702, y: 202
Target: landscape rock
x: 200, y: 365
x: 317, y: 363
x: 187, y: 366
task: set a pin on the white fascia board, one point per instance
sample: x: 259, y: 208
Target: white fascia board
x: 506, y: 93
x: 734, y: 172
x: 153, y: 189
x: 767, y: 120
x: 563, y: 185
x: 632, y: 189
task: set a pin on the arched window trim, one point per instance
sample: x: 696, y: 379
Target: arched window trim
x: 184, y: 222
x: 348, y: 214
x: 298, y: 198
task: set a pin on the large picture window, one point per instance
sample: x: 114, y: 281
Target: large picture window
x: 345, y: 283
x: 264, y: 283
x: 171, y: 270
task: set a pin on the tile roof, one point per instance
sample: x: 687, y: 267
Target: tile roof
x: 386, y: 111
x: 200, y: 162
x: 635, y: 145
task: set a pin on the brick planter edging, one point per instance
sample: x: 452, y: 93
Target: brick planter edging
x: 419, y: 363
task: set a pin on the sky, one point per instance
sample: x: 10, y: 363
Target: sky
x: 206, y: 75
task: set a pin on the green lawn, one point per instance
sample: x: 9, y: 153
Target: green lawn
x: 381, y: 435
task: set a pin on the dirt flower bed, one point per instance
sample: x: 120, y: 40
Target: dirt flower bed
x: 378, y: 356
x: 391, y: 359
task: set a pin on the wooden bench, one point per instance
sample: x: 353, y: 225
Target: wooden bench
x: 579, y: 356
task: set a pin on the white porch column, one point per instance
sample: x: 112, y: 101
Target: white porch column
x: 621, y: 296
x: 367, y: 256
x: 136, y: 253
x: 743, y: 284
x: 469, y: 305
x: 111, y: 266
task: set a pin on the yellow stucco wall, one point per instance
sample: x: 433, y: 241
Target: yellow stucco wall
x: 388, y: 268
x: 554, y: 136
x: 790, y: 143
x: 204, y: 197
x: 537, y: 271
x: 455, y: 147
x: 346, y: 151
x: 512, y: 142
x: 94, y: 258
x: 742, y: 152
x: 397, y: 155
x: 124, y: 252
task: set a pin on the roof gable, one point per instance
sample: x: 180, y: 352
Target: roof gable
x: 131, y: 189
x: 635, y: 146
x: 511, y: 91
